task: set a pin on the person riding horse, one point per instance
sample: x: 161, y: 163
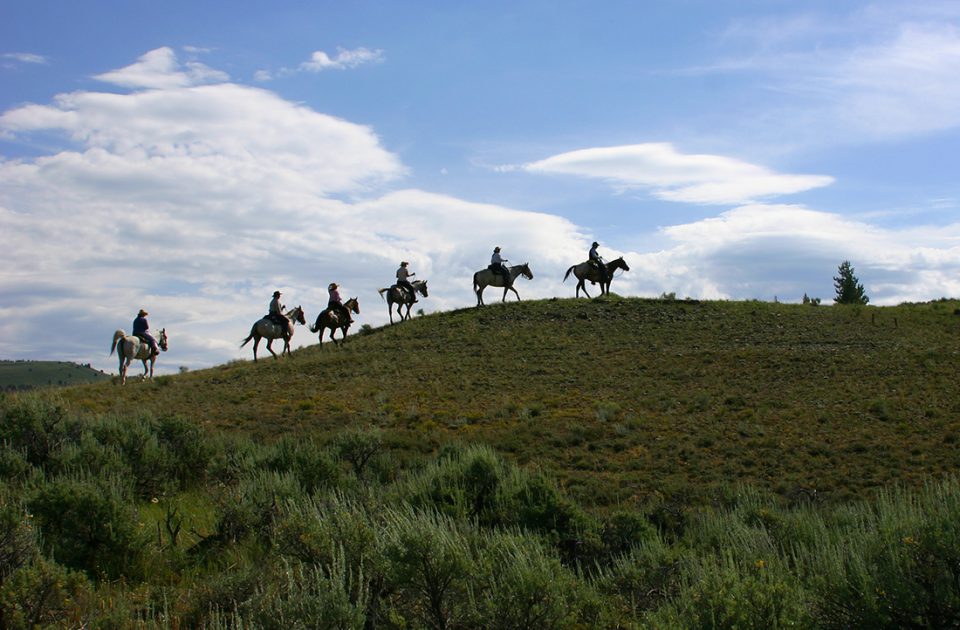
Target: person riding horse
x: 141, y: 329
x: 402, y: 279
x: 275, y: 311
x: 335, y: 304
x: 497, y: 266
x: 597, y: 262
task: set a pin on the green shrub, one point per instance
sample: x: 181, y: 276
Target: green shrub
x: 736, y: 593
x: 89, y: 526
x: 328, y: 596
x: 313, y: 465
x: 35, y: 426
x: 522, y: 585
x: 428, y: 562
x: 18, y: 541
x: 44, y: 594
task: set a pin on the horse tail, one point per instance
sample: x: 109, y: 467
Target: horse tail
x: 569, y: 271
x: 476, y: 283
x: 249, y: 337
x: 381, y: 292
x: 117, y: 336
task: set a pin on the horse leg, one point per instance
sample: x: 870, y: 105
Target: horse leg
x: 582, y: 285
x: 256, y: 342
x: 480, y: 295
x: 270, y: 347
x: 514, y: 292
x: 390, y: 310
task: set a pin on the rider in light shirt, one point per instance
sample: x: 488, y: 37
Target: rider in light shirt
x: 402, y: 279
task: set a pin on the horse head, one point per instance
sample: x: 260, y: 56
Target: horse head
x: 298, y: 316
x: 525, y: 270
x: 619, y: 263
x: 421, y: 286
x: 162, y: 341
x: 353, y: 305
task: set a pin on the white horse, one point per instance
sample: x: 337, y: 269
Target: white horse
x: 129, y: 347
x: 402, y: 297
x: 267, y: 329
x: 486, y: 278
x: 586, y: 271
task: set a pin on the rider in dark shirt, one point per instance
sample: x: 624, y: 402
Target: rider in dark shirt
x: 141, y: 329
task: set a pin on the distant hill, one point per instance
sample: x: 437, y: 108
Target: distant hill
x: 24, y: 375
x: 619, y: 398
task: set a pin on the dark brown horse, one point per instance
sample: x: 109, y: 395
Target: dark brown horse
x: 332, y: 319
x: 585, y: 271
x: 400, y: 297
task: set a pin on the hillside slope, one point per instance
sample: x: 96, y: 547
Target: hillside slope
x: 620, y: 399
x: 21, y: 375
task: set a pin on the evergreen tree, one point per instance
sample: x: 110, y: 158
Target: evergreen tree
x: 849, y: 289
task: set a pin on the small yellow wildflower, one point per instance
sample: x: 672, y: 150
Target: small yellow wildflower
x: 761, y: 564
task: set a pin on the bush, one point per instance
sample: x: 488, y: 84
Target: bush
x: 44, y: 595
x: 428, y: 561
x: 522, y: 585
x: 88, y: 526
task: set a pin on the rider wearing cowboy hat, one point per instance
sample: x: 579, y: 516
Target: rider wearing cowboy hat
x: 335, y: 303
x: 141, y: 329
x: 275, y: 313
x: 402, y: 274
x: 597, y: 262
x: 497, y: 266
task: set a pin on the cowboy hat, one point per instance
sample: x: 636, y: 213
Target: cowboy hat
x: 496, y: 249
x: 595, y: 244
x: 277, y: 294
x: 142, y: 313
x: 333, y: 285
x: 404, y: 263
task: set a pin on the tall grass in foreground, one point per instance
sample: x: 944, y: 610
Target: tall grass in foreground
x: 150, y: 522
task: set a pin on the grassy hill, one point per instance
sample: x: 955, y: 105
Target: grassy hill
x: 21, y: 375
x: 620, y: 399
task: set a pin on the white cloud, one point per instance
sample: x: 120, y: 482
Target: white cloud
x: 344, y: 59
x: 160, y: 69
x: 25, y: 57
x: 764, y: 251
x: 675, y: 176
x: 887, y: 71
x: 197, y: 201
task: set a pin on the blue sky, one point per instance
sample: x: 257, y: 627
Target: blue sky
x: 190, y: 158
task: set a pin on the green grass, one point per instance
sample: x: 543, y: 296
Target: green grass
x: 620, y: 399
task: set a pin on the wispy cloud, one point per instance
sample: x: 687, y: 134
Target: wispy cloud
x: 343, y: 60
x: 671, y: 175
x: 883, y: 72
x: 320, y: 61
x: 23, y: 57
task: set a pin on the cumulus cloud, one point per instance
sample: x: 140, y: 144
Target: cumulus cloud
x: 784, y: 251
x: 198, y: 201
x: 160, y: 69
x: 671, y: 175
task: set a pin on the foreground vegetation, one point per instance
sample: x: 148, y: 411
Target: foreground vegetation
x: 150, y: 522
